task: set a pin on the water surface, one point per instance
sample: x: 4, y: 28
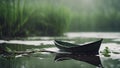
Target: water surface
x: 53, y: 60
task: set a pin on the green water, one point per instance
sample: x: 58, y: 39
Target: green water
x: 47, y: 60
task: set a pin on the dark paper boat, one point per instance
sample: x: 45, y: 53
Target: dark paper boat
x: 89, y: 48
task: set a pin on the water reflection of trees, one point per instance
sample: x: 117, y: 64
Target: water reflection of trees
x: 10, y: 63
x: 111, y: 63
x: 43, y: 61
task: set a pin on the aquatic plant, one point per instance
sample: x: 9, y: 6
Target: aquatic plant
x: 106, y: 52
x: 12, y: 18
x: 49, y: 20
x: 20, y: 18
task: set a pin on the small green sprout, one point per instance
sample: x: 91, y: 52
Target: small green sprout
x: 106, y: 52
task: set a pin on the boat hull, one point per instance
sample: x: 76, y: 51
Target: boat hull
x: 90, y: 48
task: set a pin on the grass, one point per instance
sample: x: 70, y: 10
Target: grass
x: 19, y: 18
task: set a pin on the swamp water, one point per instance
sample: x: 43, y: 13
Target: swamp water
x: 59, y: 60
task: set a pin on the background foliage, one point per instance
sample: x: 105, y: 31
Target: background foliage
x: 31, y: 18
x: 52, y: 17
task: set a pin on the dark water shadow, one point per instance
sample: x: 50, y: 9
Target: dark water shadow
x: 91, y: 59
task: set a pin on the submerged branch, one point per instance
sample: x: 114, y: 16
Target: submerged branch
x: 26, y: 52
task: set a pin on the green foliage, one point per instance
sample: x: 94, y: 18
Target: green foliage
x: 8, y: 49
x: 106, y: 52
x: 12, y: 18
x: 22, y: 18
x: 49, y: 21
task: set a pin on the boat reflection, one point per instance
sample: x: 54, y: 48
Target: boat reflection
x: 91, y: 59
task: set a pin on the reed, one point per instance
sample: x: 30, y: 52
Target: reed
x: 20, y: 18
